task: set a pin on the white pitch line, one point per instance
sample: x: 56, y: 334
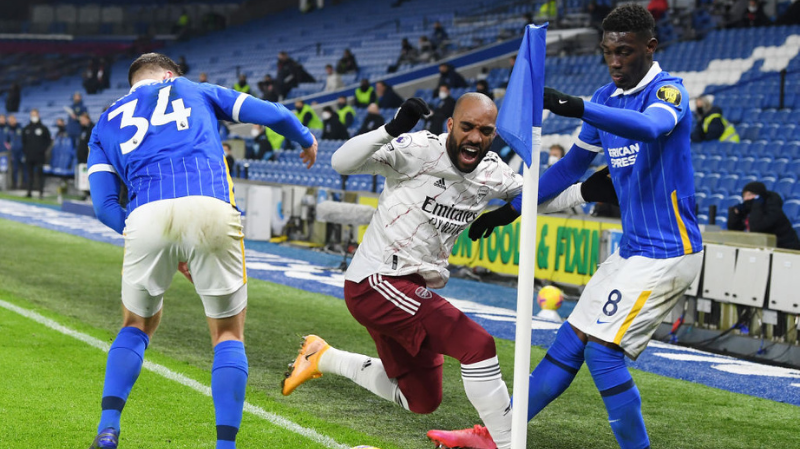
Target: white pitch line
x: 177, y: 377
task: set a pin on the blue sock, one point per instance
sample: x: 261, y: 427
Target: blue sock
x: 620, y: 395
x: 122, y: 369
x: 555, y: 372
x: 228, y: 381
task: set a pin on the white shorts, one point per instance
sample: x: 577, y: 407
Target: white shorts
x: 204, y: 232
x: 626, y: 299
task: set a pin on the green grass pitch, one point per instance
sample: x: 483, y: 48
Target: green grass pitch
x: 50, y: 384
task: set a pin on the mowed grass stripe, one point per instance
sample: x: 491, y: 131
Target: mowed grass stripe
x: 167, y: 373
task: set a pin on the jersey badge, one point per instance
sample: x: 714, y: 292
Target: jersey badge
x: 669, y: 94
x: 482, y: 192
x: 423, y: 293
x: 402, y: 141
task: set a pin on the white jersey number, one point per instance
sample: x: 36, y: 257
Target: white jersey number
x: 180, y: 115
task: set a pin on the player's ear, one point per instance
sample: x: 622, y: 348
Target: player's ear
x: 651, y: 45
x: 449, y: 125
x: 168, y: 74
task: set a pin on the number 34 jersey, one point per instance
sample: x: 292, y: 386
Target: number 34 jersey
x: 162, y: 139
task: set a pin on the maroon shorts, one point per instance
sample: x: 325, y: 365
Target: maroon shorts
x: 412, y: 328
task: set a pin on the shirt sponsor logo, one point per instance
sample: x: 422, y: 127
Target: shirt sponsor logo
x: 447, y: 219
x: 669, y: 94
x: 623, y: 156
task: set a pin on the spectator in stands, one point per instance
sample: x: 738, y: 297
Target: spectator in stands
x: 346, y: 113
x: 290, y: 74
x: 103, y: 75
x: 482, y: 87
x: 82, y: 148
x: 13, y: 97
x: 762, y: 211
x: 556, y: 154
x: 791, y: 16
x: 373, y: 120
x: 711, y: 125
x: 74, y: 112
x: 333, y: 80
x: 548, y: 11
x: 183, y: 66
x: 267, y: 88
x: 387, y: 97
x: 332, y: 129
x: 35, y: 142
x: 443, y: 110
x: 408, y: 53
x: 230, y: 161
x: 3, y: 141
x: 347, y: 63
x: 306, y: 115
x: 90, y: 79
x: 427, y: 53
x: 14, y: 144
x: 658, y: 8
x: 597, y: 12
x: 449, y: 77
x: 439, y: 36
x: 241, y: 85
x: 754, y: 15
x: 309, y: 5
x: 365, y: 94
x: 203, y: 78
x: 182, y: 25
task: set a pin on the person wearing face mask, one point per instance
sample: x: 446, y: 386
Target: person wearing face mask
x: 19, y: 176
x: 306, y: 115
x: 443, y: 110
x: 35, y: 142
x: 754, y: 15
x: 762, y: 211
x: 345, y: 112
x: 436, y: 185
x: 332, y: 129
x: 365, y: 94
x: 711, y: 125
x: 387, y: 97
x: 373, y: 120
x: 556, y: 153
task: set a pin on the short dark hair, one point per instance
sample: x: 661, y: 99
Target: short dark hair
x: 150, y: 61
x: 630, y: 18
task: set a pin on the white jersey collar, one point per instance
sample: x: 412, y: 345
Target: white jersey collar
x: 655, y: 69
x: 142, y: 83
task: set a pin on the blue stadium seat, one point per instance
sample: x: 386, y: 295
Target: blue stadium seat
x: 729, y: 164
x: 752, y: 132
x: 792, y: 210
x: 746, y: 164
x: 711, y: 181
x: 762, y: 164
x: 784, y: 187
x: 769, y: 182
x: 727, y: 183
x: 743, y: 181
x: 777, y: 167
x: 713, y: 163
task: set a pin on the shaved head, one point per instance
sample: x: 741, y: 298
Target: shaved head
x: 475, y: 97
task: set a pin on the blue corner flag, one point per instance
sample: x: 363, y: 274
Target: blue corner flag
x: 522, y: 105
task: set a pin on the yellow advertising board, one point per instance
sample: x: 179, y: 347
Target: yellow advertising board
x: 566, y: 249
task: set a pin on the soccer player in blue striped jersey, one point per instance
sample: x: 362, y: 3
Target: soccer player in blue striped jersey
x: 161, y: 140
x: 642, y: 122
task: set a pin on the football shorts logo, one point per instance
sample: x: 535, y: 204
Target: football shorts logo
x: 423, y: 293
x: 440, y: 184
x: 669, y: 94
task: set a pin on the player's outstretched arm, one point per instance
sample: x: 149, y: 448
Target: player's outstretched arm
x: 104, y: 187
x: 645, y: 126
x: 350, y: 157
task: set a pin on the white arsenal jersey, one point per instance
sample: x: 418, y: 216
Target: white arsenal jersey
x: 426, y: 203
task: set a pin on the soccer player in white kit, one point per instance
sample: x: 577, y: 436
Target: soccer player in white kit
x: 436, y: 185
x: 162, y: 141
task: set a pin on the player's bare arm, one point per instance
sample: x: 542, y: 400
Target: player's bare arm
x: 309, y: 154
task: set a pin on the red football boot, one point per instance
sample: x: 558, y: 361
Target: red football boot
x: 473, y: 438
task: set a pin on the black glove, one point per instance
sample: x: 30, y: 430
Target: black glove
x: 562, y: 104
x: 485, y: 224
x: 407, y: 116
x: 599, y: 188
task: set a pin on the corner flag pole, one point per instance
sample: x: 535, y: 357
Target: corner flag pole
x: 525, y: 292
x: 519, y: 123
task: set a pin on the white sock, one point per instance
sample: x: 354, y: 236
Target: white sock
x: 366, y: 371
x: 489, y: 395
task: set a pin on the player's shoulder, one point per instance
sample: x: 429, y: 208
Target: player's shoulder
x: 416, y: 140
x: 669, y: 89
x: 604, y: 92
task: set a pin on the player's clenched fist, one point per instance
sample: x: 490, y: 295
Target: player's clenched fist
x: 485, y: 224
x: 407, y: 116
x: 309, y: 155
x: 562, y: 104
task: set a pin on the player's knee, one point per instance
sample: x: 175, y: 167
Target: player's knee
x: 481, y: 347
x: 425, y: 404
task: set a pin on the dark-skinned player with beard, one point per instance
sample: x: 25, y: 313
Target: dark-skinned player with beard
x: 641, y: 121
x: 436, y: 185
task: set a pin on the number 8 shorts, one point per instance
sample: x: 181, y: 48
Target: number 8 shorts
x: 206, y: 233
x: 626, y: 299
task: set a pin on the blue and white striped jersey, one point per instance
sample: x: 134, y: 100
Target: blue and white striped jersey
x: 162, y: 138
x: 654, y: 180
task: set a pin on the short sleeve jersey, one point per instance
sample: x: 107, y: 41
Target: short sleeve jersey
x: 162, y: 140
x: 426, y: 203
x: 654, y: 180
